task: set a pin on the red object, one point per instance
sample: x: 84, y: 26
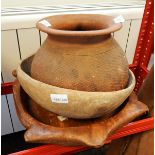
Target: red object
x: 145, y: 45
x: 142, y: 55
x: 6, y: 88
x: 131, y: 128
x: 51, y: 150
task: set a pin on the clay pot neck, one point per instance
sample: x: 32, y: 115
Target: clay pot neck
x: 78, y: 25
x: 78, y: 39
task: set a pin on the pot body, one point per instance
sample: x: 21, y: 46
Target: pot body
x: 87, y: 63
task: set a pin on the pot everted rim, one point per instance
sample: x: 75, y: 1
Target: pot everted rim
x: 78, y: 25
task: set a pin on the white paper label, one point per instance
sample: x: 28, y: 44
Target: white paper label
x: 59, y: 98
x: 62, y: 118
x: 45, y: 22
x: 119, y: 19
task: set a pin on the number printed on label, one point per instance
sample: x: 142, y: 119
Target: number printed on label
x: 59, y: 98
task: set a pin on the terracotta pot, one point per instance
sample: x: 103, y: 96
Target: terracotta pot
x: 80, y: 53
x: 94, y: 104
x: 44, y: 127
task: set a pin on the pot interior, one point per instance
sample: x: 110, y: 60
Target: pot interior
x: 81, y: 27
x: 79, y: 23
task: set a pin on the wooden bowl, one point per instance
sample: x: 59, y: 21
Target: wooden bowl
x: 80, y: 104
x: 44, y: 126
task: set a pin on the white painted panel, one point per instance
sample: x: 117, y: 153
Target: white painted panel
x: 43, y: 36
x: 29, y: 19
x: 122, y: 35
x: 29, y: 41
x: 132, y: 40
x: 10, y: 54
x: 16, y: 123
x: 6, y: 126
x: 19, y: 3
x: 151, y: 62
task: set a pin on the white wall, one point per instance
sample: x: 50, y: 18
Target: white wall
x: 22, y: 3
x: 18, y: 3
